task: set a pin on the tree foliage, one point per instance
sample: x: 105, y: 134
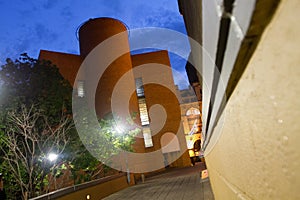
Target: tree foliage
x: 29, y: 81
x: 28, y: 141
x: 36, y: 119
x: 105, y: 139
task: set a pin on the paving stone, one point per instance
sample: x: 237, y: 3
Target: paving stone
x: 181, y: 184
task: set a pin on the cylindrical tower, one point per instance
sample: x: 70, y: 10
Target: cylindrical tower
x: 95, y: 31
x: 91, y: 34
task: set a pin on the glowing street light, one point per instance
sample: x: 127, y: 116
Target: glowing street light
x: 119, y: 129
x: 52, y: 157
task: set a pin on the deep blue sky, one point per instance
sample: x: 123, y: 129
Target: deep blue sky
x: 31, y: 25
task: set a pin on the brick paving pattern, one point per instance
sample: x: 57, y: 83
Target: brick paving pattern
x: 184, y: 183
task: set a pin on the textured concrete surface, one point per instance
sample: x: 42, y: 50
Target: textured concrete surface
x: 257, y: 155
x: 183, y: 183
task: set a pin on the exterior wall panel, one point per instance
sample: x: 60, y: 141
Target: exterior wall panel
x: 257, y: 156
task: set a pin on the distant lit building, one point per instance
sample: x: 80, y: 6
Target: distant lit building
x: 191, y: 118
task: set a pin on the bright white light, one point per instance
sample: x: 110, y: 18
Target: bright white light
x: 80, y: 88
x: 119, y: 129
x: 52, y: 157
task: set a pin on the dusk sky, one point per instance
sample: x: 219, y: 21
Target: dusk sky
x: 28, y: 26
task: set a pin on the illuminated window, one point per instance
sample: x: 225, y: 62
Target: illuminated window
x: 139, y: 87
x: 143, y: 111
x: 193, y: 111
x: 80, y: 88
x: 147, y: 137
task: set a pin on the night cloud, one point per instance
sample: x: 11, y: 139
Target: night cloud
x: 28, y: 26
x: 49, y: 4
x: 43, y: 34
x: 167, y: 19
x: 66, y: 13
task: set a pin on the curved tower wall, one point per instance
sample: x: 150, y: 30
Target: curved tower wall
x: 95, y: 31
x: 91, y: 34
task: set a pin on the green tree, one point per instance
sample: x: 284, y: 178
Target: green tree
x: 28, y: 81
x: 104, y: 139
x: 27, y: 142
x: 36, y: 119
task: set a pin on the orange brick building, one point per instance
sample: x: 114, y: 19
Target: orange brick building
x: 92, y: 33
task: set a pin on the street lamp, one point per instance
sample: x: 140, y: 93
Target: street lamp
x: 119, y: 129
x: 52, y: 157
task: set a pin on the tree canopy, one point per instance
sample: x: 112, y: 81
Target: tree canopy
x: 35, y: 120
x: 30, y: 81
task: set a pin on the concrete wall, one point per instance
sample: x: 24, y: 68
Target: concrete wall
x: 192, y: 10
x: 95, y: 190
x: 257, y: 154
x: 99, y: 191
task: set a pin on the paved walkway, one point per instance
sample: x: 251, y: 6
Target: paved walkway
x: 184, y: 183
